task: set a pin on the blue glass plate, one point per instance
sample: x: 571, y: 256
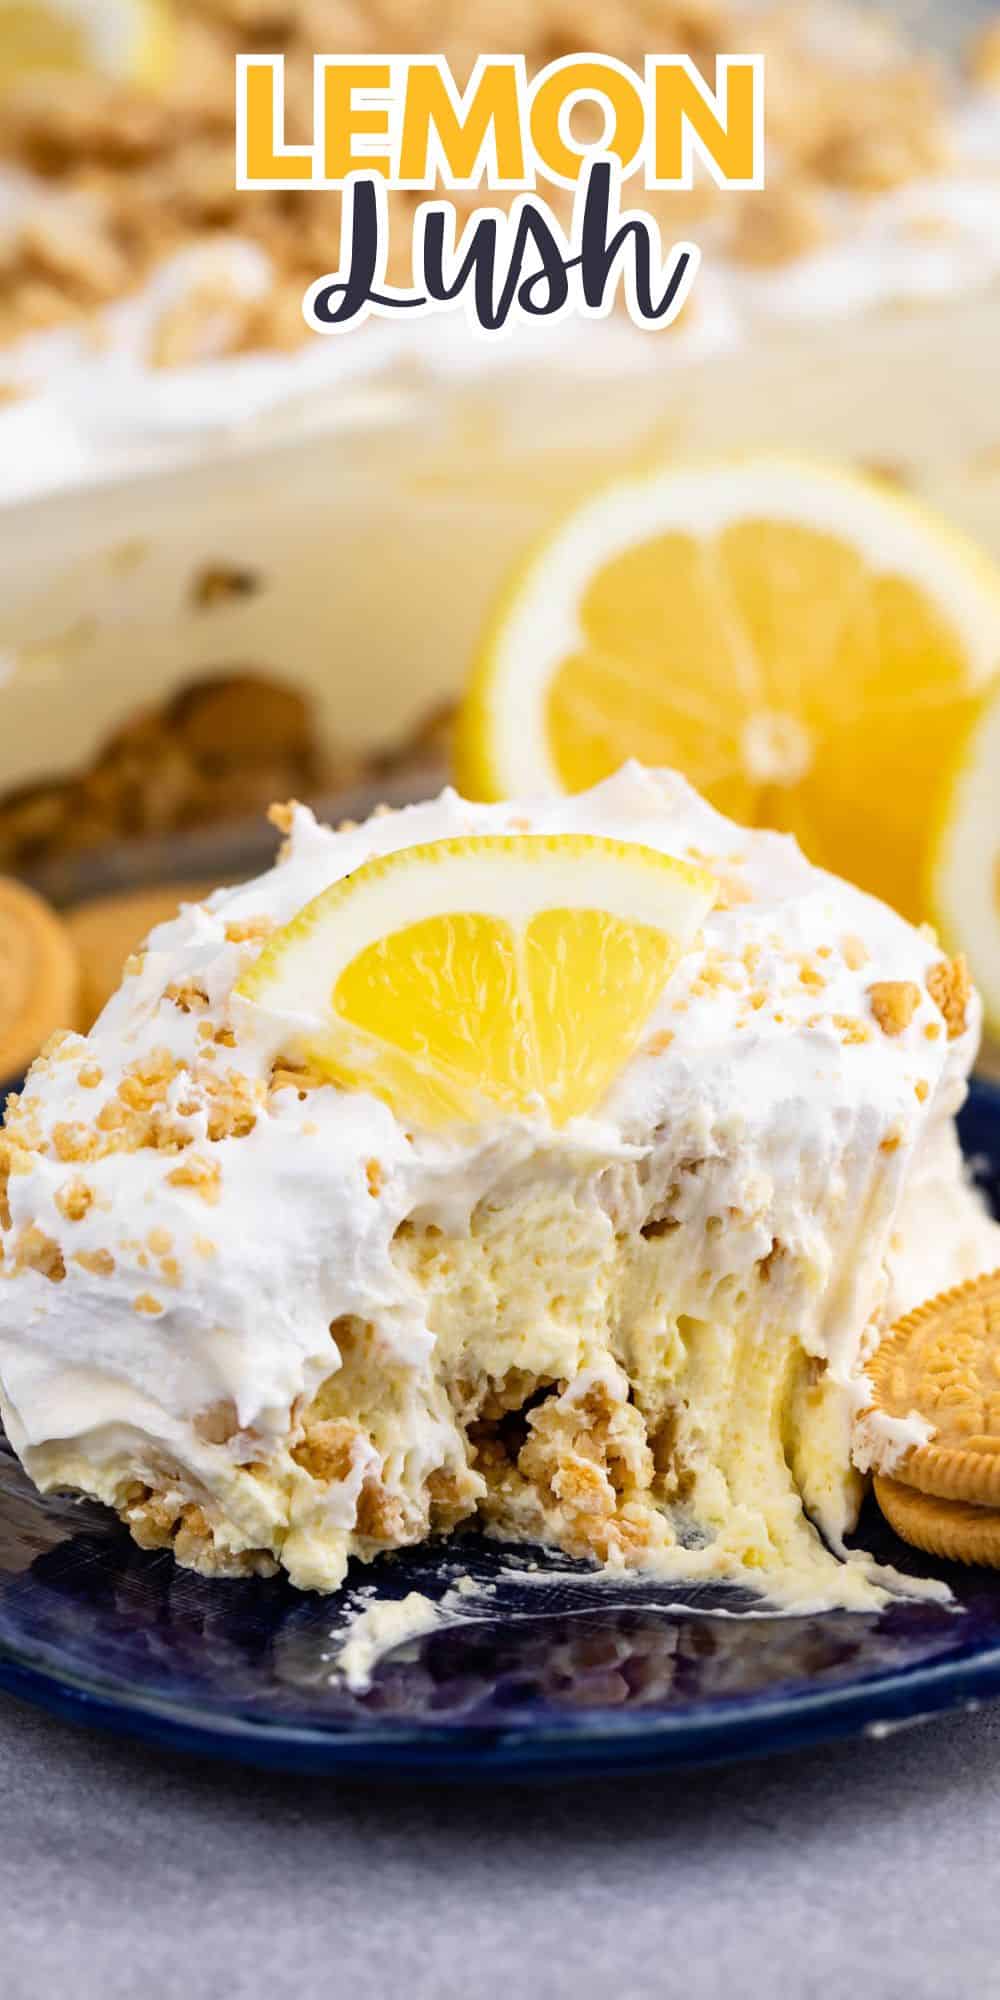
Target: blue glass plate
x: 549, y: 1676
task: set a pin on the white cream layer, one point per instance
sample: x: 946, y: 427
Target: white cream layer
x: 824, y: 1144
x: 93, y: 408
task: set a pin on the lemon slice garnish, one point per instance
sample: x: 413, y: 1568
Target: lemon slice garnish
x: 964, y: 867
x: 802, y: 643
x: 130, y: 39
x: 511, y: 973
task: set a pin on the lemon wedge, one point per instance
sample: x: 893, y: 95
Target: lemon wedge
x: 806, y: 646
x: 511, y: 973
x: 964, y: 868
x: 130, y: 39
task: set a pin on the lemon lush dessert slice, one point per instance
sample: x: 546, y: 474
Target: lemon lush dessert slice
x: 552, y: 1166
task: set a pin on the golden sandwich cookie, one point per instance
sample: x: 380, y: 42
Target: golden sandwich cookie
x: 950, y: 1529
x: 38, y: 977
x: 943, y: 1361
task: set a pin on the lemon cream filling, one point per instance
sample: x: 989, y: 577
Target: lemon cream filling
x: 272, y: 1319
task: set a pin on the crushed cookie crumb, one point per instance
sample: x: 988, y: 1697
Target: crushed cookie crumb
x: 249, y: 930
x: 284, y: 1077
x: 893, y: 1003
x: 34, y: 1251
x: 72, y: 1141
x: 203, y: 1176
x: 950, y: 989
x: 374, y: 1177
x: 282, y: 816
x: 810, y: 975
x: 232, y: 1105
x: 74, y: 1201
x: 891, y: 1143
x: 204, y: 1247
x: 147, y: 1302
x: 188, y: 996
x: 933, y: 1031
x: 854, y: 953
x: 922, y: 1088
x: 851, y: 1030
x: 160, y: 1242
x: 99, y: 1262
x: 90, y: 1076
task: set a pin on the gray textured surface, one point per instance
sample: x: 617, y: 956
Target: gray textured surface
x: 862, y: 1870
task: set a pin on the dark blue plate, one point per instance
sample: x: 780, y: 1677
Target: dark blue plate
x: 548, y: 1676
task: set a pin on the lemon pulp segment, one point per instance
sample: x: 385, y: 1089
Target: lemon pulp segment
x: 531, y: 1002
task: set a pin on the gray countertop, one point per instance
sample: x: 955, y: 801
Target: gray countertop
x: 866, y: 1869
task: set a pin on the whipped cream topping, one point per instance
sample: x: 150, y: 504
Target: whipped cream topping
x: 210, y: 1273
x: 92, y: 405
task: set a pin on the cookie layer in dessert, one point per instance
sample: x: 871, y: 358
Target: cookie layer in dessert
x: 271, y: 1323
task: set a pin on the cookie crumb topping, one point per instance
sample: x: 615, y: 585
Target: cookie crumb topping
x: 950, y: 988
x: 894, y: 1003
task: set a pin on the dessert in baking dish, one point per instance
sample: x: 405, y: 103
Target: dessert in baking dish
x: 549, y: 1167
x: 244, y: 479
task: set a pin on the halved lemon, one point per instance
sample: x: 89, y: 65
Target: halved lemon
x: 964, y: 867
x: 513, y: 972
x: 131, y: 39
x: 803, y: 644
